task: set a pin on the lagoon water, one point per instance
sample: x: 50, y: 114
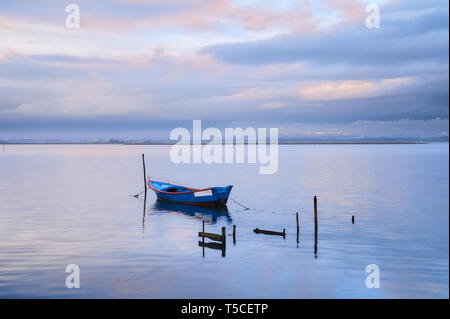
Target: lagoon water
x: 71, y: 204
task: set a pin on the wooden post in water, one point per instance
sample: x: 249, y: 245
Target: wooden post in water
x: 353, y: 219
x: 315, y: 226
x: 212, y: 236
x: 234, y: 234
x: 298, y: 226
x: 203, y: 240
x: 224, y: 238
x: 315, y: 211
x: 270, y: 232
x: 223, y: 241
x: 145, y: 175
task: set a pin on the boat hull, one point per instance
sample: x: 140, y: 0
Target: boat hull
x: 198, y: 203
x: 213, y: 196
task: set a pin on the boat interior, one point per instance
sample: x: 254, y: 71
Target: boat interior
x: 169, y: 187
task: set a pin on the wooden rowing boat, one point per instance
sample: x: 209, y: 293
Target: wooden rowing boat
x: 211, y: 196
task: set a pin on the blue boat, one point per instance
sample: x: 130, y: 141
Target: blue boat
x: 211, y: 196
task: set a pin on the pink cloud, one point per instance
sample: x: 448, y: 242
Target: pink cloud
x: 201, y: 15
x: 210, y: 15
x: 350, y: 10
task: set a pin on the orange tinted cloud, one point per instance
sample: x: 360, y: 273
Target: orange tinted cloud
x: 336, y: 90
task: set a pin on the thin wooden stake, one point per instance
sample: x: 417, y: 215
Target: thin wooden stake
x: 224, y: 237
x: 315, y: 211
x: 315, y: 227
x: 203, y: 240
x: 234, y: 234
x: 145, y: 175
x: 353, y: 219
x: 298, y: 226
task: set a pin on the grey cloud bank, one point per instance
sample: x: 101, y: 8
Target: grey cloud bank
x: 400, y: 40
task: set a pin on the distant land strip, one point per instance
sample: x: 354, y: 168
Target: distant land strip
x: 281, y: 141
x: 168, y: 143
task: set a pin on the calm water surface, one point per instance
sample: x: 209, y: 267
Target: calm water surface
x: 71, y: 204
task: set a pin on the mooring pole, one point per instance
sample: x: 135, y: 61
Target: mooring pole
x: 353, y: 219
x: 234, y: 234
x: 203, y: 240
x: 315, y: 211
x: 315, y: 226
x: 223, y: 235
x: 224, y: 238
x: 145, y: 175
x: 298, y: 226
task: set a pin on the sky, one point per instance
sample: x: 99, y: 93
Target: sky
x: 139, y: 68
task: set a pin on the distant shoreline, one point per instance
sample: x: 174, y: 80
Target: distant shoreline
x: 280, y: 143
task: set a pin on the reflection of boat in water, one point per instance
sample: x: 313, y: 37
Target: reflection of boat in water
x: 209, y: 213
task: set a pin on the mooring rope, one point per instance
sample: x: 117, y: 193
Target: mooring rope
x: 246, y: 208
x: 137, y: 195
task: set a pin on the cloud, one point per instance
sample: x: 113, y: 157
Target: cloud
x: 436, y: 127
x: 259, y: 94
x: 272, y: 105
x: 399, y: 40
x: 135, y: 61
x: 92, y: 97
x: 208, y: 15
x: 352, y: 89
x: 320, y: 91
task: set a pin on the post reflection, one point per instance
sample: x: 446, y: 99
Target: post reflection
x: 143, y: 212
x: 315, y: 241
x: 212, y: 245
